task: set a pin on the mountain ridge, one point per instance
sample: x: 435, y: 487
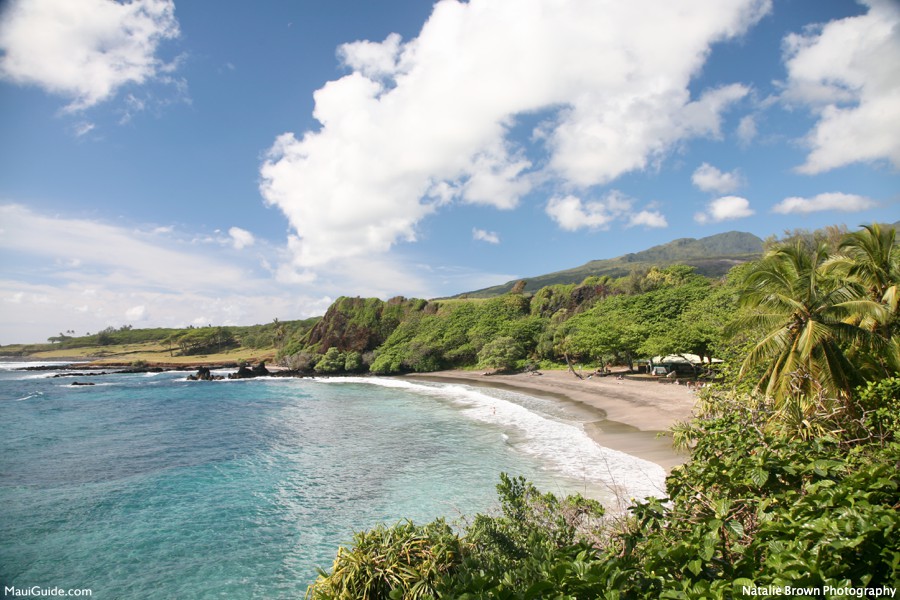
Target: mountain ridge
x: 712, y: 256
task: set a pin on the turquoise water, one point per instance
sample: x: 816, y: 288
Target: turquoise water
x: 150, y: 486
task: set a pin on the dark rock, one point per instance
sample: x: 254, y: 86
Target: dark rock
x: 81, y: 383
x: 290, y: 373
x: 260, y: 370
x: 243, y: 372
x: 204, y: 374
x: 135, y: 370
x: 82, y: 374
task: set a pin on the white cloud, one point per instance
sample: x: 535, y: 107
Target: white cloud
x: 378, y: 275
x: 613, y: 135
x: 83, y: 128
x: 496, y: 180
x: 45, y: 309
x: 58, y: 273
x: 419, y: 124
x: 710, y: 179
x: 241, y: 238
x: 648, y: 218
x: 373, y: 59
x: 120, y: 256
x: 490, y: 237
x: 846, y: 72
x: 572, y: 214
x: 85, y: 50
x: 726, y: 208
x: 829, y: 201
x: 136, y: 313
x: 747, y: 130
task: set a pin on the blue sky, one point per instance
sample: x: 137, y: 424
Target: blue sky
x: 166, y: 163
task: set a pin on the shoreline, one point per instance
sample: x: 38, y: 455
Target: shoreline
x: 623, y: 415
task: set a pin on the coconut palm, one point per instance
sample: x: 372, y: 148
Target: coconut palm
x: 870, y: 257
x: 807, y: 320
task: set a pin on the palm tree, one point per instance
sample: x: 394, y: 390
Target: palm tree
x: 870, y: 257
x: 279, y: 334
x: 807, y: 320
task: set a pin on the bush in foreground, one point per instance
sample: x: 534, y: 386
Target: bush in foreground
x: 757, y: 505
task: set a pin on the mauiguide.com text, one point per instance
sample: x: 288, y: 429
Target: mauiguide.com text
x: 37, y: 591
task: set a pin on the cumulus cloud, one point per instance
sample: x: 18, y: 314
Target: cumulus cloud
x: 572, y: 214
x: 829, y: 201
x: 710, y: 179
x: 373, y: 59
x: 490, y: 237
x: 647, y: 218
x: 846, y: 73
x: 418, y: 124
x: 241, y: 238
x: 85, y: 50
x: 725, y: 208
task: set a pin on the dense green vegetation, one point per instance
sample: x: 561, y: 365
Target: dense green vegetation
x: 601, y: 320
x: 793, y: 478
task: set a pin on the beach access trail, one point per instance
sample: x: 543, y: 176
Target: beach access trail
x: 629, y: 413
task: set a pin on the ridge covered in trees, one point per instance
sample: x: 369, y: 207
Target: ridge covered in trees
x: 598, y: 321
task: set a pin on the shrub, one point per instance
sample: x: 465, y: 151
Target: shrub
x: 331, y: 362
x: 401, y: 561
x: 502, y: 353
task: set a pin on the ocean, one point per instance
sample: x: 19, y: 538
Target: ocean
x: 150, y: 486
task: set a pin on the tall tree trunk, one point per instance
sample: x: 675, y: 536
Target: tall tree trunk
x: 569, y: 363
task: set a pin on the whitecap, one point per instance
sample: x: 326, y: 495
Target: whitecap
x: 18, y: 365
x: 562, y: 445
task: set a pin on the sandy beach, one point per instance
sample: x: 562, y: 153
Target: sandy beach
x: 624, y: 415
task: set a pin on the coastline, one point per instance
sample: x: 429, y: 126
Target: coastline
x: 623, y: 415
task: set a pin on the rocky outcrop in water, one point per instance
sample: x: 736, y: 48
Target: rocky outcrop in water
x: 244, y: 372
x: 204, y: 374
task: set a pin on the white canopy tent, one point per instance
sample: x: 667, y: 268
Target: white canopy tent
x: 683, y: 358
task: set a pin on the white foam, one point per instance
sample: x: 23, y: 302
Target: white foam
x: 563, y: 445
x: 41, y: 375
x: 16, y: 365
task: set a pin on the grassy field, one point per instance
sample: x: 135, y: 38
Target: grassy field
x: 151, y: 353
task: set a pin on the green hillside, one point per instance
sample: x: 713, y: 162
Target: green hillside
x: 711, y: 256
